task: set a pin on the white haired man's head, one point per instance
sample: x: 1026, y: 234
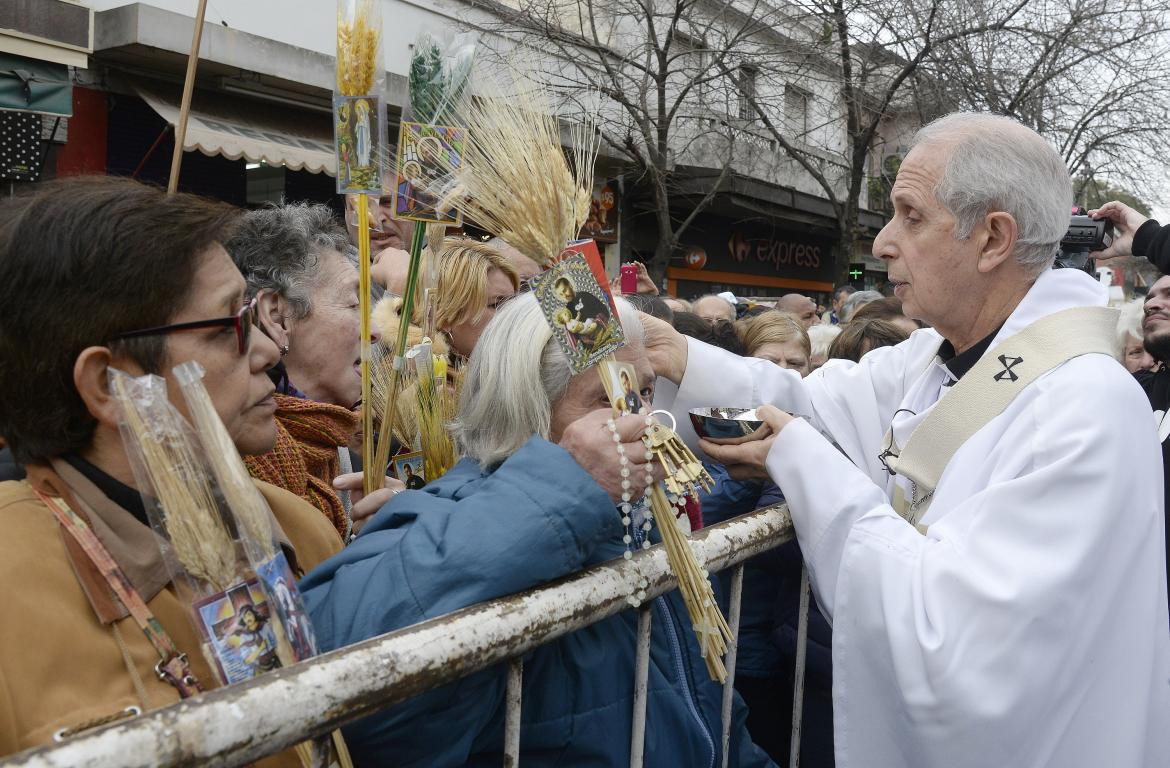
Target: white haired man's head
x: 981, y: 203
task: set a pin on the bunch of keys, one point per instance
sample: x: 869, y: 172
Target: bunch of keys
x: 684, y: 471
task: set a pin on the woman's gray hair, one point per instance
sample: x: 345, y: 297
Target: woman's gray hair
x: 856, y: 301
x: 1129, y: 322
x: 278, y: 250
x: 514, y: 379
x: 998, y: 164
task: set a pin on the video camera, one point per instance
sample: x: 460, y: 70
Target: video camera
x: 1085, y: 235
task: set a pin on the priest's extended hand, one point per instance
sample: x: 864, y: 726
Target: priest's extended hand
x: 666, y: 348
x: 745, y: 458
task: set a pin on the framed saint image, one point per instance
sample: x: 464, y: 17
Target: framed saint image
x: 621, y: 385
x: 580, y: 312
x: 408, y: 467
x: 238, y: 633
x: 428, y: 158
x: 359, y: 136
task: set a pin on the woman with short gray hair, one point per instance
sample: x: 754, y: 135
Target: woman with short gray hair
x: 528, y: 503
x: 856, y: 301
x: 295, y: 260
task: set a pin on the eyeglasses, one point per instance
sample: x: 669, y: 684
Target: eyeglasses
x: 242, y: 322
x: 373, y: 220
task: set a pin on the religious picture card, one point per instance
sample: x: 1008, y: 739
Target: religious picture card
x: 621, y: 385
x: 429, y: 157
x: 281, y: 587
x: 359, y: 136
x: 238, y: 633
x: 410, y: 469
x: 580, y: 311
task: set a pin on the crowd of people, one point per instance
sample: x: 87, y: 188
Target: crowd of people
x: 974, y: 488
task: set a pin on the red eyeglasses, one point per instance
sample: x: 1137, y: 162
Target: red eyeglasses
x: 242, y: 322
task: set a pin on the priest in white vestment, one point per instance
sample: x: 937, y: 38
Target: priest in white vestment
x: 1023, y: 621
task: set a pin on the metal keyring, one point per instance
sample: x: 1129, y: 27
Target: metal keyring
x: 673, y: 421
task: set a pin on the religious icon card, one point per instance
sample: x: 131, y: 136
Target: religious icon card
x: 409, y: 468
x: 281, y: 586
x: 621, y: 385
x: 238, y: 635
x: 580, y: 311
x: 359, y: 136
x: 429, y: 157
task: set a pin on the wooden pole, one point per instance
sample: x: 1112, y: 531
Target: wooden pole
x: 185, y: 108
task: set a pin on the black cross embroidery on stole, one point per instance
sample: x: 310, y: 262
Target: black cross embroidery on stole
x: 1007, y: 374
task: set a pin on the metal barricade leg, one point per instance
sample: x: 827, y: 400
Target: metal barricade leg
x: 512, y: 716
x: 729, y: 684
x: 641, y: 674
x: 798, y: 682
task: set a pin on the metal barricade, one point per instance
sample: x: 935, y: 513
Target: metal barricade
x: 241, y: 723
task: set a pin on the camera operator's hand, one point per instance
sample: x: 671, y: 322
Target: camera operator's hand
x: 1126, y: 222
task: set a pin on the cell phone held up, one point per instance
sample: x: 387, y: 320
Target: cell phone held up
x: 629, y: 278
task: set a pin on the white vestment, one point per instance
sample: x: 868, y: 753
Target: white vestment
x: 1029, y: 626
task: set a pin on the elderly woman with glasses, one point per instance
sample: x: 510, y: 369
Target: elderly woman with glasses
x: 533, y: 499
x: 294, y: 259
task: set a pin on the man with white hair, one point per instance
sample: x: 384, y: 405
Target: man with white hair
x: 986, y: 534
x: 713, y: 308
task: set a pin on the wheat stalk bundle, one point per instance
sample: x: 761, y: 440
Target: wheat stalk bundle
x: 435, y: 409
x: 235, y: 484
x: 517, y: 181
x: 710, y: 627
x: 358, y: 41
x: 173, y: 472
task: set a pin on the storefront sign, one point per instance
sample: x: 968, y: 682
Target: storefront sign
x: 752, y: 249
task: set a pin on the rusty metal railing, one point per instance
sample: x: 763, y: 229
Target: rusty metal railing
x: 241, y: 723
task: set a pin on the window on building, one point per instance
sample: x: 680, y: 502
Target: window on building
x: 796, y: 109
x: 745, y: 83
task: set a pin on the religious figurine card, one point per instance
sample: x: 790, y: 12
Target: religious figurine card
x: 621, y: 385
x: 285, y: 597
x: 428, y: 158
x: 359, y: 135
x: 409, y: 468
x: 238, y: 632
x: 580, y: 310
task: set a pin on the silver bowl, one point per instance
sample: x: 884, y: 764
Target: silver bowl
x: 718, y: 424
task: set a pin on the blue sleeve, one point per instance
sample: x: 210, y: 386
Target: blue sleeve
x: 427, y: 553
x: 727, y: 497
x: 462, y: 540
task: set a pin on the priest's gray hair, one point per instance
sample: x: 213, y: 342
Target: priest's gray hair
x: 515, y: 378
x: 278, y: 249
x: 998, y: 164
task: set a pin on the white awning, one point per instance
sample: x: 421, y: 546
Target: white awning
x: 220, y: 124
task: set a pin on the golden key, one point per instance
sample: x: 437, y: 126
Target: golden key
x: 683, y: 469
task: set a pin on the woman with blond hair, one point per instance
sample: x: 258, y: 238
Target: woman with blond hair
x: 473, y: 280
x: 776, y: 336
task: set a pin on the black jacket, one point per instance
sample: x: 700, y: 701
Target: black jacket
x: 9, y: 469
x: 1157, y: 387
x: 1153, y: 241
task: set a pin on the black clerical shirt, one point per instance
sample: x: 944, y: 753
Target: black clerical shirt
x: 958, y: 364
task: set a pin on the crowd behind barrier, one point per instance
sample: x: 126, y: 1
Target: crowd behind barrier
x: 918, y: 550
